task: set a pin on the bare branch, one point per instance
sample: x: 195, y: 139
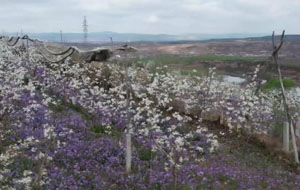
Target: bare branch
x: 286, y: 107
x: 276, y: 49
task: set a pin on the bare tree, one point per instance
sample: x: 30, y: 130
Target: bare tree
x: 286, y: 107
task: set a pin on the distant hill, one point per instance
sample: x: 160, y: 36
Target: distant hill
x: 287, y: 38
x: 135, y: 37
x: 97, y: 37
x: 102, y: 37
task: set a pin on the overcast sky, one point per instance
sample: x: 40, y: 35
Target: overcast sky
x: 151, y: 16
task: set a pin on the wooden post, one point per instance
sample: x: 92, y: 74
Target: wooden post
x: 129, y: 126
x: 128, y: 152
x: 297, y: 130
x: 286, y: 107
x: 61, y: 37
x: 286, y: 137
x: 222, y: 118
x: 27, y: 49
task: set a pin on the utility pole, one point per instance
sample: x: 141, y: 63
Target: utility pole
x: 85, y: 29
x: 61, y: 36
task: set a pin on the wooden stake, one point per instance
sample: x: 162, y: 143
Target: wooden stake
x: 286, y: 107
x: 286, y: 137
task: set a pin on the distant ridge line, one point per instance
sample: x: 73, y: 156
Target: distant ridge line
x: 105, y: 37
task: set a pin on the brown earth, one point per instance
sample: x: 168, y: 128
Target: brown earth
x: 234, y: 48
x: 289, y: 54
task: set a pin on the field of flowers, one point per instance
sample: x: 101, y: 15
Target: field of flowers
x: 63, y: 126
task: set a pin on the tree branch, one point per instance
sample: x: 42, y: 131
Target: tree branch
x: 286, y: 107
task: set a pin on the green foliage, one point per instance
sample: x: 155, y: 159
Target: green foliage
x: 2, y: 148
x: 156, y: 186
x: 25, y: 81
x: 77, y: 108
x: 56, y: 108
x: 202, y: 187
x: 275, y: 84
x: 20, y: 164
x: 185, y: 187
x: 99, y: 129
x: 277, y: 130
x: 280, y: 117
x: 146, y: 154
x: 228, y: 182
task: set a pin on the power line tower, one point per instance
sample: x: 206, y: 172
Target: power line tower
x: 85, y: 29
x: 111, y: 40
x: 61, y: 37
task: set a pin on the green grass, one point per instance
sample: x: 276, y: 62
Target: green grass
x: 176, y: 59
x: 274, y: 83
x: 162, y: 60
x: 200, y: 72
x: 193, y: 72
x: 102, y: 130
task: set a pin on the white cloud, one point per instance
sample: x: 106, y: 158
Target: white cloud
x: 169, y: 16
x: 152, y: 19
